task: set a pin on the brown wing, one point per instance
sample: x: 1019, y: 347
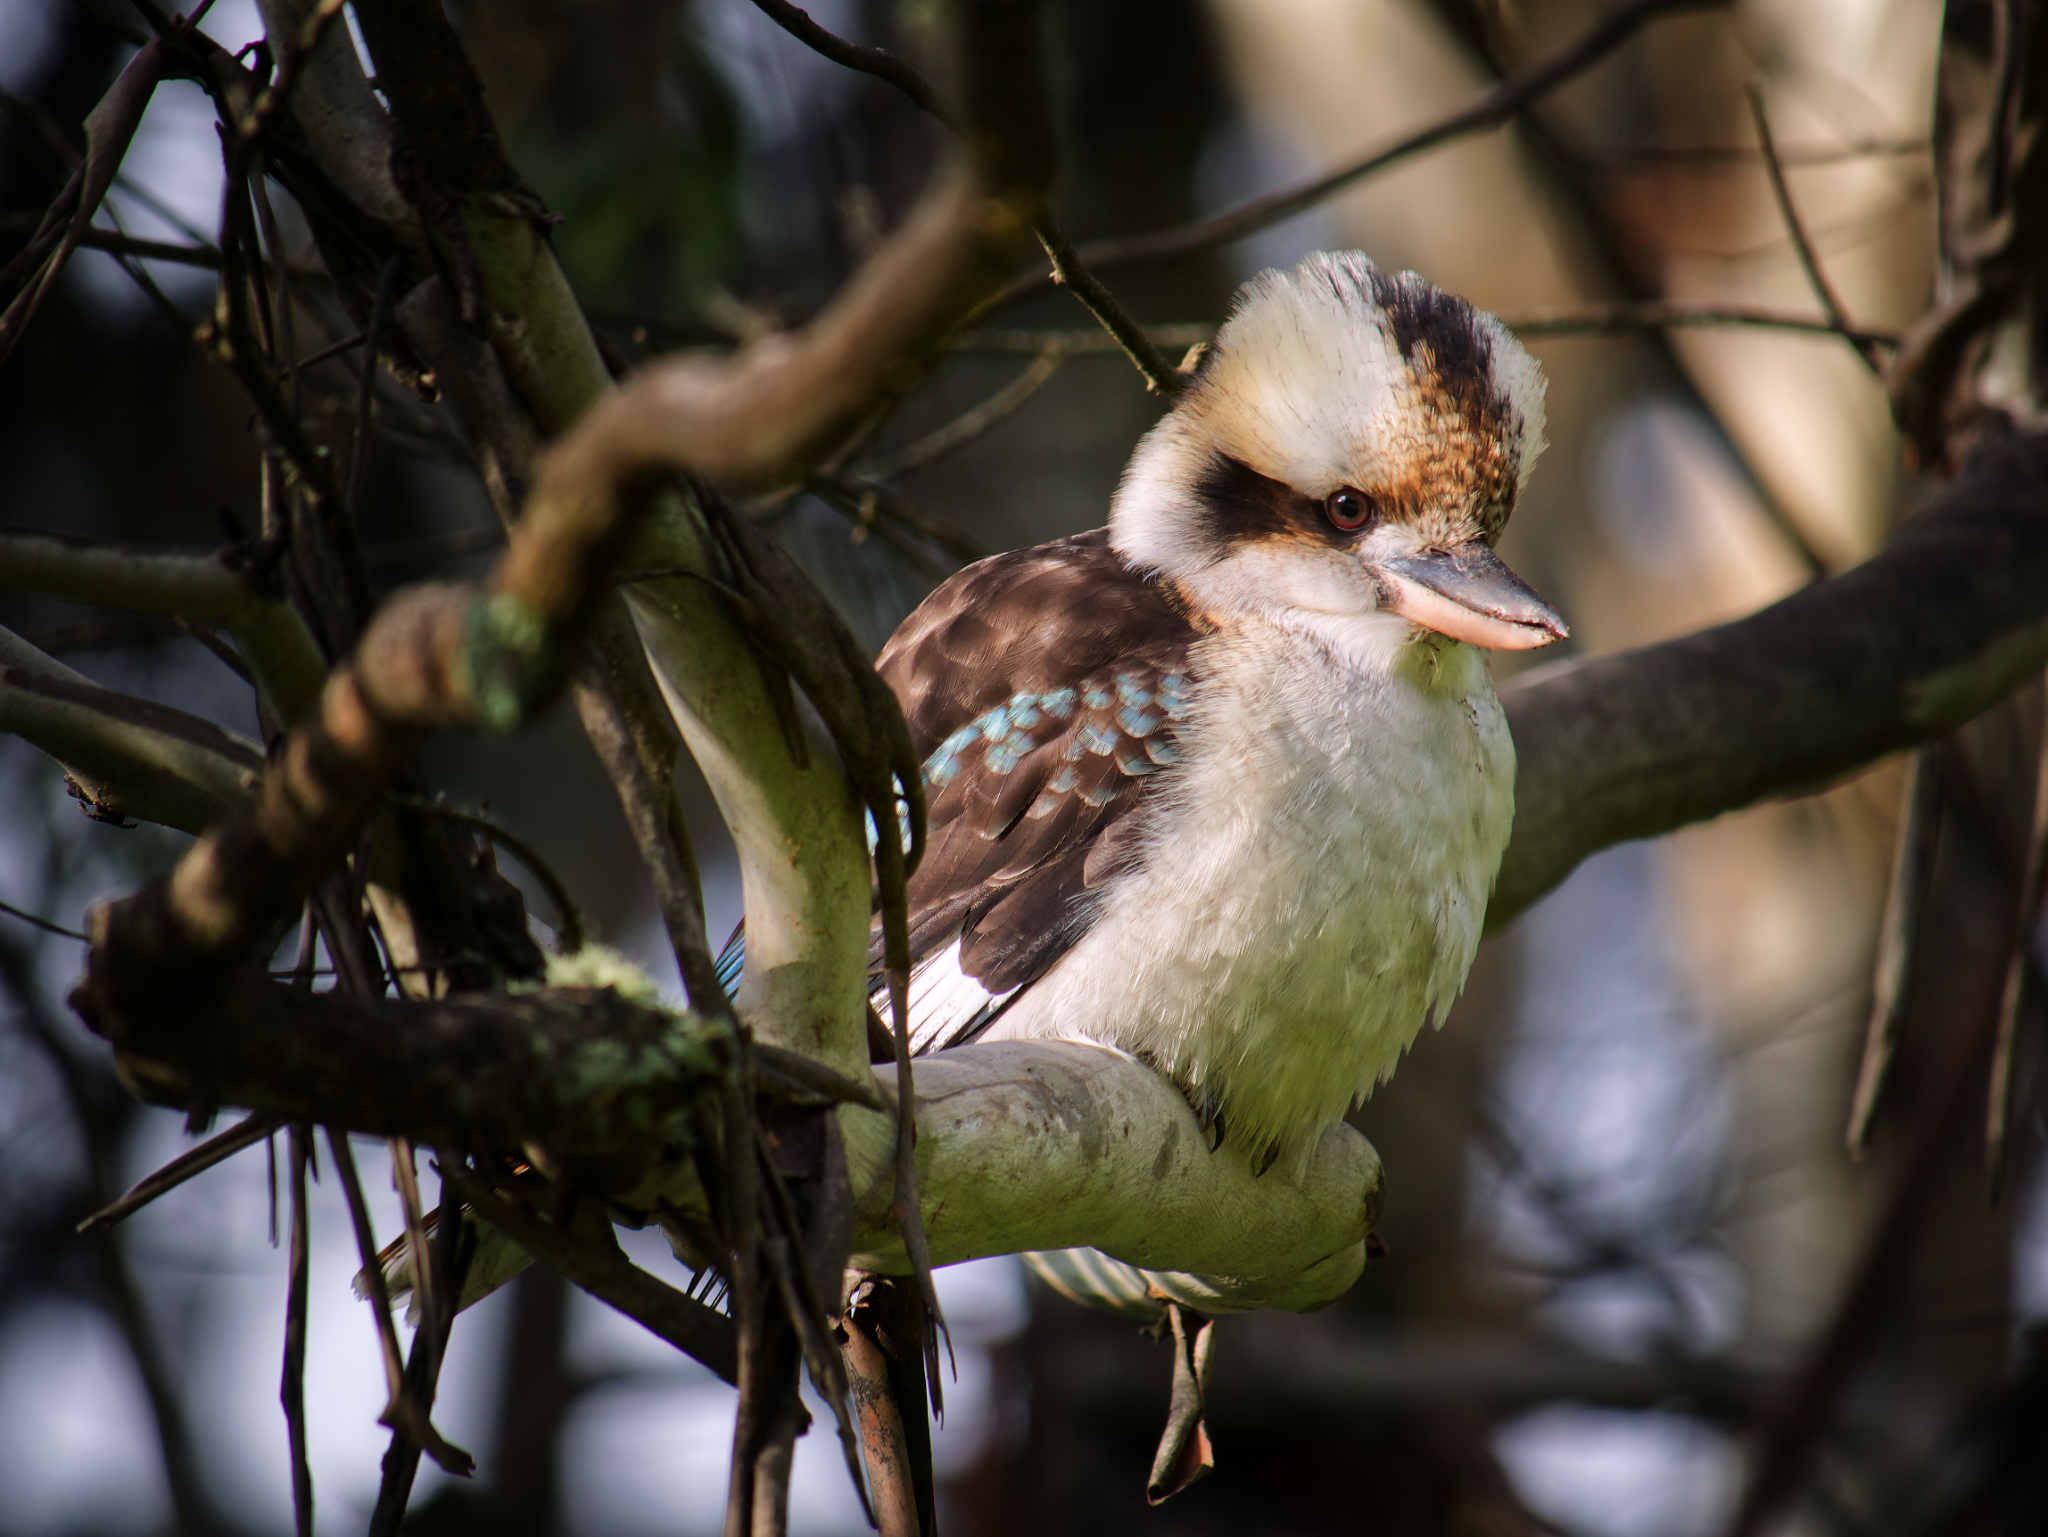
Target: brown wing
x: 1043, y: 689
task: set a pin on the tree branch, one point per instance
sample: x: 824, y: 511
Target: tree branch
x: 126, y: 757
x: 1068, y: 269
x: 1490, y: 110
x: 219, y: 587
x: 1948, y: 619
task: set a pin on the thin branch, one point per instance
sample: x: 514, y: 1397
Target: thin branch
x: 675, y: 886
x: 1070, y: 272
x: 1809, y: 260
x: 882, y: 510
x: 127, y: 757
x: 1068, y: 268
x: 284, y: 323
x: 1173, y: 338
x: 1624, y: 161
x: 407, y: 1171
x: 246, y: 1133
x: 292, y: 1385
x: 1912, y: 866
x: 43, y: 923
x: 1490, y: 110
x: 601, y: 1268
x: 97, y: 239
x: 569, y: 918
x: 402, y: 1412
x: 439, y: 1272
x: 879, y: 62
x: 1629, y: 316
x: 962, y: 429
x: 380, y: 317
x: 1998, y: 1108
x: 332, y: 350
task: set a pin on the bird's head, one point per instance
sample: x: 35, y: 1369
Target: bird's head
x: 1351, y: 444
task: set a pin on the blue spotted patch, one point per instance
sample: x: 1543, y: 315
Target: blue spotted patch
x: 1059, y: 704
x: 1160, y: 750
x: 1137, y: 721
x: 1094, y: 695
x: 1173, y: 699
x: 1130, y: 692
x: 1134, y: 761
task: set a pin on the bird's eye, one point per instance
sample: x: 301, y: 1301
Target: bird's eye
x: 1348, y: 509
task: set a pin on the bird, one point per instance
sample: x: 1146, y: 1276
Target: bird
x: 1225, y: 785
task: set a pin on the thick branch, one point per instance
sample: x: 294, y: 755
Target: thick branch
x: 578, y: 1071
x: 274, y: 640
x: 128, y: 757
x: 1049, y: 1145
x: 1948, y: 619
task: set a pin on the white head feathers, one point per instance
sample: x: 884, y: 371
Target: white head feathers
x: 1337, y: 374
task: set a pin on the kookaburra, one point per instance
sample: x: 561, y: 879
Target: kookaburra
x: 1225, y: 785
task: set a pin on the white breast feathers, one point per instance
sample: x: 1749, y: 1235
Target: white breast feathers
x: 1313, y: 882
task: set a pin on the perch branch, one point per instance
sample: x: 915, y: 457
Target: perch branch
x: 1904, y: 648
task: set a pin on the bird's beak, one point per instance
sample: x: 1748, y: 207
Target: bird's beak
x: 1469, y: 594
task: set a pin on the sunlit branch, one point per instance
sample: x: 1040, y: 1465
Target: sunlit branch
x: 1945, y: 621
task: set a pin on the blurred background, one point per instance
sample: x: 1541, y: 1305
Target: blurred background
x: 1621, y: 1211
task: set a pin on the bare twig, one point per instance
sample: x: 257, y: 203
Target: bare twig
x: 26, y: 280
x: 568, y: 917
x: 401, y: 1413
x: 407, y: 1172
x: 441, y: 1268
x: 246, y: 1133
x: 380, y: 316
x: 292, y: 1386
x: 1809, y: 260
x: 1492, y: 108
x: 1624, y: 161
x: 596, y: 1263
x: 675, y: 886
x: 284, y: 323
x: 1912, y: 866
x: 42, y: 923
x: 1172, y: 338
x: 119, y: 244
x: 1998, y: 1108
x: 962, y: 429
x: 884, y: 510
x: 1068, y: 268
x: 1629, y: 316
x: 1071, y: 272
